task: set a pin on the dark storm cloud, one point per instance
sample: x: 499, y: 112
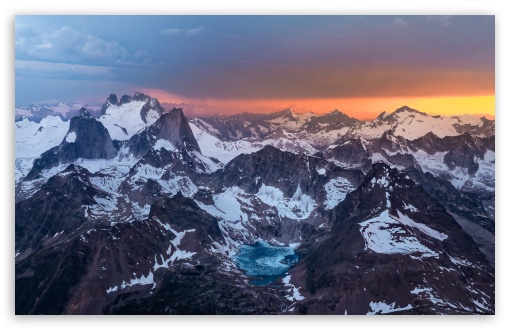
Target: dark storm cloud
x: 267, y: 56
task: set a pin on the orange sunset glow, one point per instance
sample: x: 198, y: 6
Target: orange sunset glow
x: 360, y: 65
x: 360, y: 108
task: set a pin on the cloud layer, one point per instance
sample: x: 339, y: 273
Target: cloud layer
x: 177, y: 31
x: 261, y: 57
x: 66, y: 44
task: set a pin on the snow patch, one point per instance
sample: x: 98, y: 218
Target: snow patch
x: 410, y: 207
x: 298, y: 207
x: 428, y: 293
x: 142, y: 280
x: 336, y: 190
x: 384, y: 308
x: 387, y: 235
x: 71, y: 137
x: 177, y: 253
x: 162, y: 143
x: 126, y: 116
x: 32, y: 139
x: 404, y: 219
x: 112, y: 289
x: 294, y: 295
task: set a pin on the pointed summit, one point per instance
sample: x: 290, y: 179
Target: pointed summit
x: 125, y: 99
x: 171, y: 128
x: 111, y: 100
x: 405, y: 108
x: 84, y: 112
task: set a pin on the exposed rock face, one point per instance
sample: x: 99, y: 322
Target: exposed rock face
x: 111, y: 100
x: 90, y: 140
x: 363, y: 263
x: 44, y: 282
x: 463, y: 205
x: 331, y: 121
x: 48, y: 159
x: 488, y: 128
x: 382, y: 222
x: 234, y: 128
x: 87, y: 138
x: 461, y: 150
x: 390, y: 142
x: 172, y: 127
x: 287, y: 195
x: 258, y: 126
x: 178, y: 170
x: 283, y: 170
x: 352, y: 152
x: 125, y: 99
x: 456, y: 152
x: 150, y: 104
x: 172, y: 252
x: 58, y: 208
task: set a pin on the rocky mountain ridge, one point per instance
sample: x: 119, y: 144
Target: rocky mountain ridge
x: 141, y: 211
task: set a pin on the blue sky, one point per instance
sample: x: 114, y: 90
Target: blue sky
x: 253, y: 57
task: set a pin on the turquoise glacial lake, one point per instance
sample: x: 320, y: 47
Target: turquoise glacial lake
x: 265, y: 262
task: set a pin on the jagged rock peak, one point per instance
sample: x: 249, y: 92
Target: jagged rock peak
x: 84, y: 112
x: 151, y: 104
x: 137, y: 96
x: 174, y: 127
x: 112, y: 99
x: 382, y: 115
x: 87, y: 138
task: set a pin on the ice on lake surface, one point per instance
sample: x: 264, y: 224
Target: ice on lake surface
x: 265, y: 262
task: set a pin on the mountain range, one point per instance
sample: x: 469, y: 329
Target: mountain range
x: 137, y: 209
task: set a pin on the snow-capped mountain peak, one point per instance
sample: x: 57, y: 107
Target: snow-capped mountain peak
x: 126, y: 117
